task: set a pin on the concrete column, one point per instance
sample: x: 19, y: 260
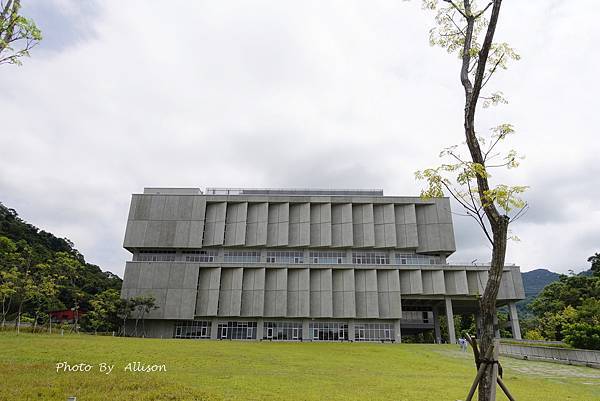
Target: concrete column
x: 397, y: 331
x: 436, y: 326
x: 306, y: 336
x: 514, y: 320
x: 214, y: 326
x: 351, y: 330
x: 478, y: 325
x: 450, y: 320
x: 260, y: 324
x: 496, y: 326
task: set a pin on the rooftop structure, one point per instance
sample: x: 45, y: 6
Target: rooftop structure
x: 298, y: 264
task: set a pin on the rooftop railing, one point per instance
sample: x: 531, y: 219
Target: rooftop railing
x: 294, y: 191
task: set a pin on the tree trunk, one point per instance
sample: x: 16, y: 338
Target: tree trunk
x: 498, y: 222
x: 487, y: 305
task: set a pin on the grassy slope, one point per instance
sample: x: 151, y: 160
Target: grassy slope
x: 213, y: 370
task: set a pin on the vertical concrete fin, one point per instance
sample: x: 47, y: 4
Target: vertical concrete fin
x: 235, y: 223
x: 299, y: 224
x: 341, y: 225
x: 320, y: 224
x: 214, y: 226
x: 256, y: 224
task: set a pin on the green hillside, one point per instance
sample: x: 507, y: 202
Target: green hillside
x: 41, y: 272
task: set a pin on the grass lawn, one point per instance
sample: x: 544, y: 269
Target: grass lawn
x: 230, y: 370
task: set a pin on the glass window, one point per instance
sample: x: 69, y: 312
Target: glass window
x: 415, y: 259
x: 237, y: 331
x: 322, y: 257
x: 192, y: 329
x: 206, y: 256
x: 282, y: 331
x: 329, y: 331
x: 156, y: 255
x: 374, y: 332
x: 291, y: 257
x: 370, y: 258
x: 238, y: 256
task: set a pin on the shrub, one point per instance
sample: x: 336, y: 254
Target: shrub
x: 583, y: 335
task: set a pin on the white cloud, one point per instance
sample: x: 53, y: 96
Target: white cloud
x: 322, y: 94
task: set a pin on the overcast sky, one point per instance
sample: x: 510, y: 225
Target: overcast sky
x: 325, y: 94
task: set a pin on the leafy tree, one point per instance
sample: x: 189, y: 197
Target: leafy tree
x: 9, y: 275
x: 583, y: 335
x: 466, y: 30
x: 533, y: 334
x: 9, y: 280
x: 104, y: 313
x: 18, y: 35
x: 569, y: 309
x: 595, y: 261
x: 567, y: 291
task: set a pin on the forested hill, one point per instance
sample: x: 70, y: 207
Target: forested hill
x: 534, y: 281
x: 52, y: 264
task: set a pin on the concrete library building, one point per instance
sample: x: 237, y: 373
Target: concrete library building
x: 300, y: 265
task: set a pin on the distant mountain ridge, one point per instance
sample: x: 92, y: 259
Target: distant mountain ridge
x: 534, y: 281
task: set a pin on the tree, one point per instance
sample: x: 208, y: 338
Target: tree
x: 569, y: 309
x: 18, y: 35
x: 9, y: 275
x: 104, y: 313
x: 142, y: 305
x: 583, y: 335
x: 8, y: 289
x: 124, y: 309
x: 595, y: 261
x: 467, y: 177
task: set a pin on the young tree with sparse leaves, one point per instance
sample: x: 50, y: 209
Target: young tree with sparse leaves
x: 142, y: 305
x: 467, y: 29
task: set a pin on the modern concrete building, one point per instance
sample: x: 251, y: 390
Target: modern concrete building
x: 311, y: 265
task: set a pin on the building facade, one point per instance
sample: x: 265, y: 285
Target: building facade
x: 300, y: 265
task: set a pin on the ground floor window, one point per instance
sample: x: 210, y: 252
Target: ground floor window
x: 374, y: 332
x: 192, y: 329
x: 328, y: 331
x: 236, y: 331
x: 282, y: 331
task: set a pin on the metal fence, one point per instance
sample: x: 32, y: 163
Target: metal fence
x: 554, y: 354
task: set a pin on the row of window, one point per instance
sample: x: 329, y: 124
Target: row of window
x: 327, y: 257
x: 414, y: 259
x: 241, y: 256
x: 284, y: 331
x: 236, y: 331
x: 157, y: 255
x: 370, y: 258
x: 192, y: 329
x: 288, y: 257
x: 374, y: 332
x: 201, y: 256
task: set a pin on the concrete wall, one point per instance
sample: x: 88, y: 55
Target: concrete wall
x: 183, y: 290
x: 553, y: 354
x: 194, y: 221
x: 173, y: 285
